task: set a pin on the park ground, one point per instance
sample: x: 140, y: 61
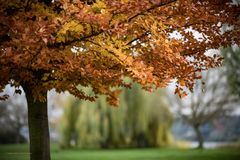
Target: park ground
x: 20, y: 152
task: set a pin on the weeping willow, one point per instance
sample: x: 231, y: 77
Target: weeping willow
x: 141, y: 120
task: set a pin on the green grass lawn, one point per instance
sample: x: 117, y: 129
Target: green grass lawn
x: 20, y: 152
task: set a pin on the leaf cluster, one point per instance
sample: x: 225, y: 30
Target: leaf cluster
x: 114, y: 39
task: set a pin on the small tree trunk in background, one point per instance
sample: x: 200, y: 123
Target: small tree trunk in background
x: 38, y: 128
x: 18, y: 135
x: 199, y: 136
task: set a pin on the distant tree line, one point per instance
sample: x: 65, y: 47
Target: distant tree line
x: 141, y: 120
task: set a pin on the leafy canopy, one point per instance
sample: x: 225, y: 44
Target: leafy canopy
x: 64, y: 44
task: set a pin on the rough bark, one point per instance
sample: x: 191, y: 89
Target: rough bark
x: 38, y: 128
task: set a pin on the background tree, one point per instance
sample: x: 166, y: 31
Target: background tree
x: 143, y: 120
x: 136, y: 111
x: 209, y: 101
x: 232, y: 63
x: 13, y: 118
x: 71, y: 113
x: 65, y: 43
x: 160, y: 120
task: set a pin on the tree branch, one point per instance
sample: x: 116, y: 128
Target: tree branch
x: 101, y: 31
x: 151, y: 8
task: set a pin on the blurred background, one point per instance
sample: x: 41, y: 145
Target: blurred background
x: 209, y: 117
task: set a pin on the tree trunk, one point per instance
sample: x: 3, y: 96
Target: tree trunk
x: 18, y: 135
x: 199, y: 137
x: 38, y: 128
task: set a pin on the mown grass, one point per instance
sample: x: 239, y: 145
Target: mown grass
x: 20, y: 152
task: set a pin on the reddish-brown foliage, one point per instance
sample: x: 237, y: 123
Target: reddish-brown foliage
x: 114, y: 39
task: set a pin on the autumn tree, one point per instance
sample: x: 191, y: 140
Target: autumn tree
x: 63, y: 44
